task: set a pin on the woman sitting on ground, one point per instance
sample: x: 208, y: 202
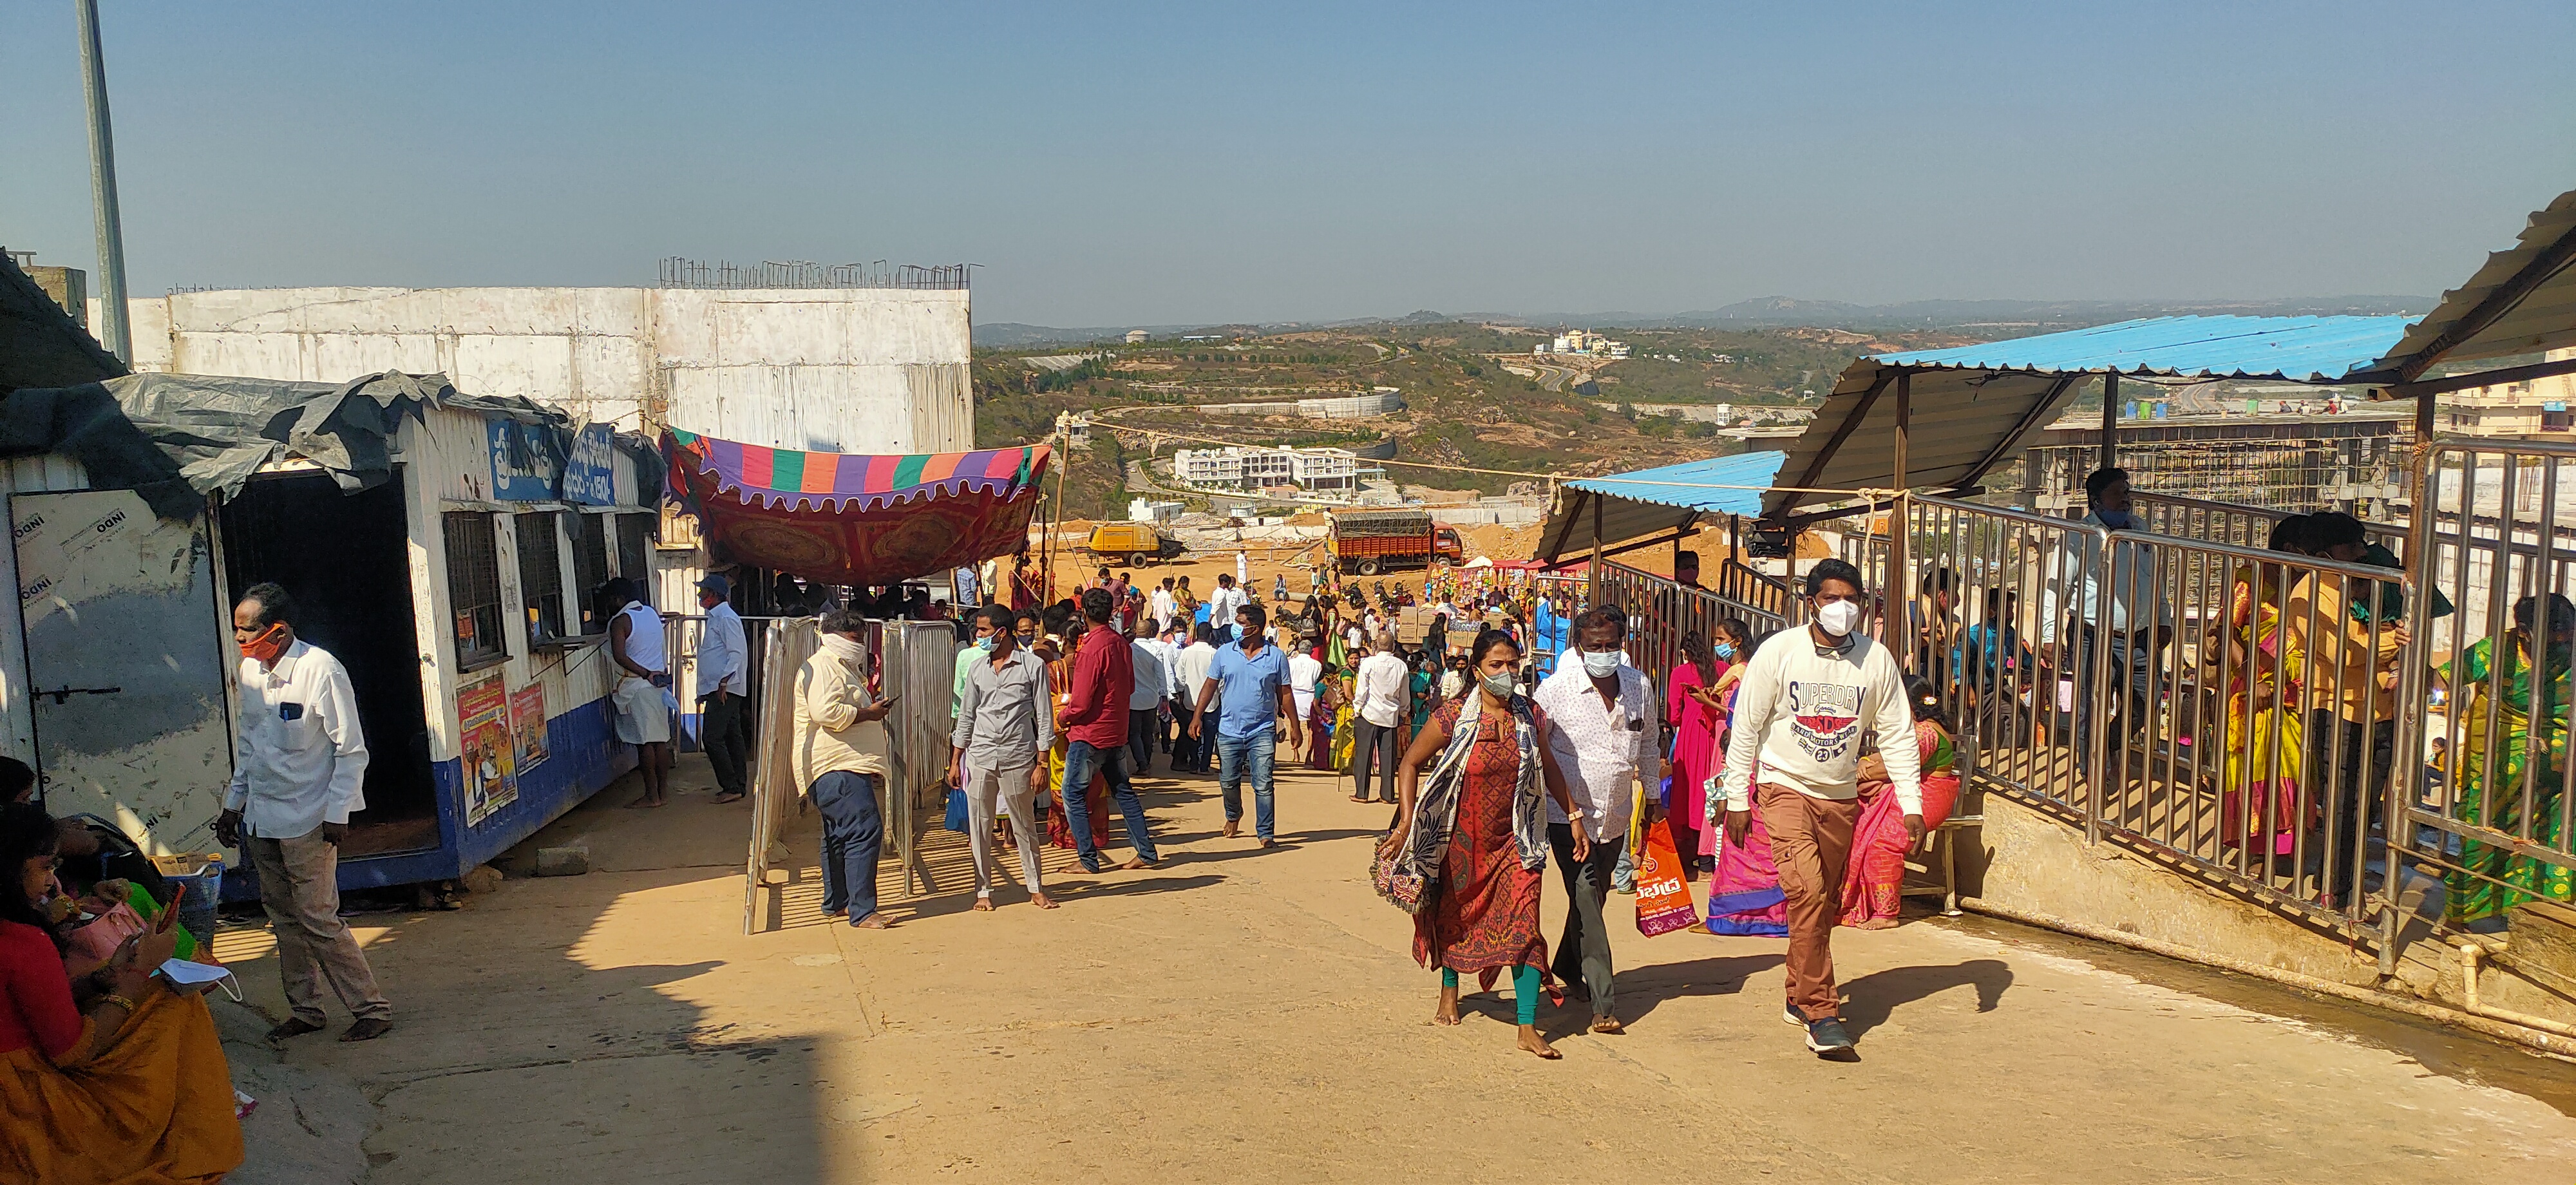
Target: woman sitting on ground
x: 116, y: 1078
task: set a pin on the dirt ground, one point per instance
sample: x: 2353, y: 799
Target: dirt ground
x: 1247, y: 1015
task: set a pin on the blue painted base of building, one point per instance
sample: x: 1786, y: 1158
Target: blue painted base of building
x: 583, y: 756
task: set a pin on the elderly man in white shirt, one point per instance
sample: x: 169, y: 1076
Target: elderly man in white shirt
x: 1381, y: 688
x: 724, y: 667
x: 299, y: 768
x: 1606, y: 732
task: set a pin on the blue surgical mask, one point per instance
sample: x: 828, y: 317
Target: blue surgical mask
x: 2117, y: 520
x: 984, y: 643
x: 1726, y: 650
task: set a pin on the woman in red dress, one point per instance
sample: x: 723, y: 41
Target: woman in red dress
x: 1478, y: 819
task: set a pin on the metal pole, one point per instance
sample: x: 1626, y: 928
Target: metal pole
x: 2110, y: 420
x: 1900, y: 561
x: 1592, y: 583
x: 102, y: 184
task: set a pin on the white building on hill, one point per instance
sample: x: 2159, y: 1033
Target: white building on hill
x: 1315, y: 470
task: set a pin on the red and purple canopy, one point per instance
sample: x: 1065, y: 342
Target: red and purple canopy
x: 853, y: 518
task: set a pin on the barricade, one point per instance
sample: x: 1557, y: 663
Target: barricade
x: 2493, y: 815
x: 2229, y: 709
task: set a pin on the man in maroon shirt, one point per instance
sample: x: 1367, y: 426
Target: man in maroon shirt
x: 1095, y: 733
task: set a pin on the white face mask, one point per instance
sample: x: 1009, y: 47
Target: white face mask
x: 1837, y: 617
x: 1601, y: 664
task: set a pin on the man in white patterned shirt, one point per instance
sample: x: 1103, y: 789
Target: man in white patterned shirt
x: 1606, y: 732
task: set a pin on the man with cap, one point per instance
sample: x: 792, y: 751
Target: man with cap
x: 724, y: 662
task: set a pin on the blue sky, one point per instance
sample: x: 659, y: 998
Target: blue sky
x: 1201, y: 163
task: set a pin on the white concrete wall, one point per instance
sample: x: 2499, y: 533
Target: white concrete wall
x: 838, y: 370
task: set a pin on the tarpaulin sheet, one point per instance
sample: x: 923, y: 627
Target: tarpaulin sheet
x: 854, y: 519
x: 175, y: 438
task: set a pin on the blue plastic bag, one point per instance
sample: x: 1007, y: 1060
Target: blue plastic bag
x: 956, y: 810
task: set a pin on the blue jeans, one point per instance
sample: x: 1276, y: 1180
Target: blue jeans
x: 853, y: 835
x: 1238, y: 757
x: 1081, y: 760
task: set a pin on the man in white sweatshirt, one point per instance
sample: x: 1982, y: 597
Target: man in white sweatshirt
x: 1806, y: 701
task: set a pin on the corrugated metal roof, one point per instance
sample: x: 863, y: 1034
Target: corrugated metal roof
x: 1975, y: 407
x: 2544, y: 319
x: 1650, y: 502
x: 2301, y: 349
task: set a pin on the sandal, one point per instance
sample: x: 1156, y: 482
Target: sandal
x: 730, y: 796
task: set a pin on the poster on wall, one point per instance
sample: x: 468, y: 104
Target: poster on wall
x: 489, y: 755
x: 528, y: 727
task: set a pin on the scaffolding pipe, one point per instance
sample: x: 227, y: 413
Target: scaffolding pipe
x: 112, y: 328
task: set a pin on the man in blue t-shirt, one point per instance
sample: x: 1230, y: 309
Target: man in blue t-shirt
x: 1247, y: 683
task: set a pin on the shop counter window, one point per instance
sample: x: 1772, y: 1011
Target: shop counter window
x: 590, y: 570
x: 635, y: 547
x: 541, y: 576
x: 474, y: 588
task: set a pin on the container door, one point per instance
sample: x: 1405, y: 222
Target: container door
x: 125, y: 665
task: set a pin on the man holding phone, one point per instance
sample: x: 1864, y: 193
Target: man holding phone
x: 299, y: 763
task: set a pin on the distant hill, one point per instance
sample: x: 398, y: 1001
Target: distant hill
x: 1787, y: 312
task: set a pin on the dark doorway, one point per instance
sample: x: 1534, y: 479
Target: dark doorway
x: 345, y: 558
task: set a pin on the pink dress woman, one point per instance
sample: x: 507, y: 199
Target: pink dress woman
x: 1694, y: 757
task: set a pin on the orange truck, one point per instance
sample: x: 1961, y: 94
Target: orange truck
x: 1392, y: 539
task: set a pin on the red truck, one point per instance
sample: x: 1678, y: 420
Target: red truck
x: 1394, y: 539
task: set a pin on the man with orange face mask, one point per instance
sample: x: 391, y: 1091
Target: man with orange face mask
x: 299, y: 761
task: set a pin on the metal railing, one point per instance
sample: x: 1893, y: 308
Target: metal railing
x: 2229, y: 522
x: 2232, y: 711
x: 2494, y: 815
x: 1661, y: 612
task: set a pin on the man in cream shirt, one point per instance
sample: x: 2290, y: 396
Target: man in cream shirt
x: 1808, y: 698
x: 836, y: 759
x: 299, y: 769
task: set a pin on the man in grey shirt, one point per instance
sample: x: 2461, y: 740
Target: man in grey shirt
x: 1005, y: 725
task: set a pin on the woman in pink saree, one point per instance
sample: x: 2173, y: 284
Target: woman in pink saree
x: 1874, y: 879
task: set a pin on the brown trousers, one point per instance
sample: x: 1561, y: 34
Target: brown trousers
x: 1811, y: 841
x: 299, y: 883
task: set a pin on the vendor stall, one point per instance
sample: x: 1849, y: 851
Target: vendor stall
x: 447, y: 548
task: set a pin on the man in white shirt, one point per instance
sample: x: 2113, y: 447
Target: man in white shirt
x: 838, y: 760
x: 1606, y: 731
x: 1222, y: 605
x: 1806, y: 700
x: 1163, y: 607
x: 1190, y: 752
x: 643, y: 716
x: 299, y: 771
x: 724, y: 670
x: 1380, y: 686
x: 1153, y: 681
x: 1304, y: 672
x: 2124, y: 631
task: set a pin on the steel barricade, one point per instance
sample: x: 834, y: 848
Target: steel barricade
x: 1661, y: 611
x: 2229, y: 522
x: 785, y: 644
x: 2493, y: 816
x: 2226, y: 708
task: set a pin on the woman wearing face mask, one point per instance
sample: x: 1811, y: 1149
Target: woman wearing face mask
x: 1691, y: 711
x: 2535, y: 670
x: 1476, y: 828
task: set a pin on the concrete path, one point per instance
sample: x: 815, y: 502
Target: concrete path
x: 1240, y: 1015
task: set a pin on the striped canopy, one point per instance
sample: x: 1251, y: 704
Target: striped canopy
x: 788, y: 479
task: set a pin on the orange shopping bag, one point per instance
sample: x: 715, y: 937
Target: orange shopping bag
x: 1663, y: 897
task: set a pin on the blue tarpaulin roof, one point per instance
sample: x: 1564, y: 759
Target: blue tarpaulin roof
x: 2302, y: 349
x: 1654, y: 501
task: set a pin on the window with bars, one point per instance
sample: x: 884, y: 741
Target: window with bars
x: 541, y: 576
x: 635, y: 547
x: 474, y: 587
x: 590, y: 570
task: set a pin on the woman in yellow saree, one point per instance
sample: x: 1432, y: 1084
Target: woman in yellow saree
x: 2503, y: 880
x: 2259, y: 781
